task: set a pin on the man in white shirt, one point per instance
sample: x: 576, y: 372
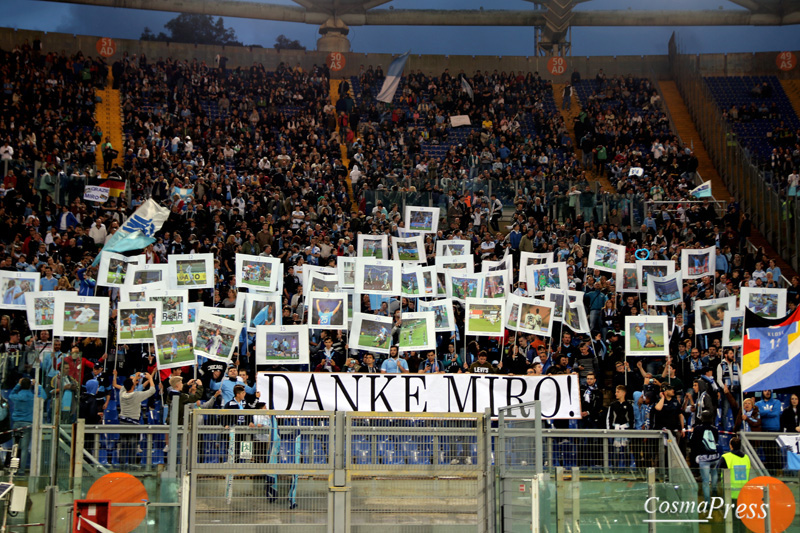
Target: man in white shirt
x: 6, y: 152
x: 98, y: 232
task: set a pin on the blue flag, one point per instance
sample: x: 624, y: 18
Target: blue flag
x: 392, y: 81
x: 702, y: 191
x: 137, y: 232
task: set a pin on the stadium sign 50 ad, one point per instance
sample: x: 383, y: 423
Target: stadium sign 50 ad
x: 419, y: 393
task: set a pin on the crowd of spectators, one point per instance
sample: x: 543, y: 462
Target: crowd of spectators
x: 260, y: 151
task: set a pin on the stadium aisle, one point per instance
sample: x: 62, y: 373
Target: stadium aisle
x: 108, y: 116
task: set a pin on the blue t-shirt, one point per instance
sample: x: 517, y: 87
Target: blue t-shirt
x: 325, y: 318
x: 48, y: 284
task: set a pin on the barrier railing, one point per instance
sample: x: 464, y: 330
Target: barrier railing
x: 767, y: 457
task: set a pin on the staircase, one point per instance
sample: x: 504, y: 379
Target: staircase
x: 792, y: 90
x: 108, y: 115
x: 569, y: 121
x: 688, y: 133
x: 334, y: 92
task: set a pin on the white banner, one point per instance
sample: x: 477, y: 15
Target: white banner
x: 418, y: 393
x: 460, y: 120
x: 95, y: 194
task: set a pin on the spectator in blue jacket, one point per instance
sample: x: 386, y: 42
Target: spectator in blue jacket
x: 770, y: 409
x: 22, y: 396
x: 87, y: 281
x: 227, y: 385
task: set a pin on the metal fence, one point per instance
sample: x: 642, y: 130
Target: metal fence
x: 767, y: 457
x: 775, y: 215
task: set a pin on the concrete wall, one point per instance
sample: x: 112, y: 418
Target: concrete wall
x: 645, y: 66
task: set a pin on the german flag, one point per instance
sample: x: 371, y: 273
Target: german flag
x: 115, y: 185
x: 770, y: 352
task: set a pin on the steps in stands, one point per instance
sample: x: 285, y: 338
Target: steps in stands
x: 688, y: 133
x: 792, y: 90
x: 108, y: 115
x: 334, y: 93
x: 569, y: 120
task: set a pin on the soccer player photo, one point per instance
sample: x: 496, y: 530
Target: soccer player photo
x: 136, y: 321
x: 258, y: 273
x: 527, y: 259
x: 327, y: 310
x: 191, y: 271
x: 262, y: 310
x: 513, y: 304
x: 766, y: 303
x: 658, y: 269
x: 422, y: 219
x: 155, y: 276
x: 40, y: 309
x: 372, y: 333
x: 173, y: 305
x: 443, y: 320
x: 536, y: 316
x: 733, y: 329
x: 373, y: 246
x: 710, y: 314
x: 216, y: 336
x: 484, y: 317
x: 411, y: 282
x: 80, y: 316
x: 282, y: 345
x: 461, y: 286
x: 453, y: 248
x: 113, y: 268
x: 374, y: 276
x: 495, y: 285
x: 646, y: 335
x: 416, y: 332
x: 665, y: 291
x: 14, y: 286
x: 318, y: 282
x: 429, y: 281
x: 605, y: 256
x: 575, y: 317
x: 546, y: 276
x: 629, y: 276
x: 696, y: 263
x: 557, y: 299
x: 409, y: 249
x: 445, y: 263
x: 346, y: 272
x: 174, y: 346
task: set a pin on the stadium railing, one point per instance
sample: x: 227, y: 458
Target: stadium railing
x: 767, y: 457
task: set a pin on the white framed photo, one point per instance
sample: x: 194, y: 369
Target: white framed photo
x: 346, y: 272
x: 371, y: 333
x: 327, y: 310
x: 412, y: 284
x: 174, y: 346
x: 536, y: 316
x: 658, y: 269
x: 15, y: 285
x: 453, y: 247
x: 733, y: 329
x: 258, y: 273
x: 696, y: 263
x: 216, y: 337
x: 546, y: 276
x: 309, y: 270
x: 282, y: 345
x: 575, y: 317
x: 319, y: 282
x: 605, y: 256
x: 139, y: 293
x: 262, y: 309
x: 460, y: 262
x: 422, y: 219
x: 527, y: 259
x: 173, y: 305
x: 41, y: 309
x: 461, y: 285
x: 429, y: 280
x: 557, y: 298
x: 113, y: 268
x: 485, y: 317
x: 417, y: 332
x: 136, y: 321
x: 80, y: 316
x: 627, y: 278
x: 501, y: 265
x: 192, y: 311
x: 667, y: 290
x: 409, y: 249
x: 646, y: 335
x: 766, y: 303
x: 710, y: 314
x: 374, y: 246
x: 228, y: 313
x: 495, y: 284
x: 513, y: 305
x: 191, y: 271
x: 154, y: 276
x: 375, y: 276
x: 443, y: 318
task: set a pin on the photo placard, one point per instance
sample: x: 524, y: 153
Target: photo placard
x: 41, y: 309
x: 174, y: 346
x: 733, y: 329
x: 766, y: 303
x: 258, y: 273
x: 546, y: 276
x: 646, y: 335
x: 696, y: 263
x: 262, y: 309
x: 442, y: 310
x: 409, y: 249
x: 485, y: 317
x: 152, y: 275
x: 373, y: 246
x: 216, y: 337
x: 453, y: 248
x: 327, y: 310
x: 282, y: 345
x: 461, y: 285
x: 80, y: 316
x: 658, y: 269
x: 536, y: 316
x: 136, y: 322
x: 710, y: 314
x: 374, y: 276
x: 422, y: 219
x: 15, y: 285
x: 173, y: 305
x: 113, y: 268
x: 191, y: 271
x: 665, y: 291
x: 416, y: 332
x: 605, y: 256
x: 346, y: 271
x: 371, y: 333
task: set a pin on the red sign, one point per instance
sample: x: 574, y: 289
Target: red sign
x: 522, y: 488
x: 556, y: 66
x: 106, y: 47
x: 336, y: 61
x: 786, y: 61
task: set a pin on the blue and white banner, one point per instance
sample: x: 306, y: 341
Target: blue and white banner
x: 702, y: 191
x: 182, y: 193
x: 392, y: 81
x: 467, y: 87
x: 137, y: 232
